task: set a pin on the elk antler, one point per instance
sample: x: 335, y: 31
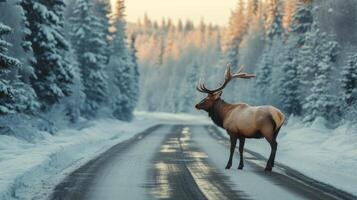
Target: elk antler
x: 228, y: 76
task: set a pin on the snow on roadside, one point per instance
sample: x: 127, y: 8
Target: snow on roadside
x: 30, y: 171
x: 327, y: 155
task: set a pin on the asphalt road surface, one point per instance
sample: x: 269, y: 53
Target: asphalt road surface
x: 186, y: 162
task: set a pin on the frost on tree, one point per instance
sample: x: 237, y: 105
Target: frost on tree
x: 123, y: 66
x: 52, y: 78
x: 237, y: 30
x: 275, y: 20
x: 135, y: 71
x: 349, y: 81
x: 101, y: 10
x: 189, y: 94
x: 6, y: 64
x: 289, y: 93
x: 302, y: 20
x: 264, y: 72
x: 15, y: 96
x: 89, y: 41
x: 321, y: 102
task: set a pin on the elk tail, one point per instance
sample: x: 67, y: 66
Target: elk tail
x: 278, y: 118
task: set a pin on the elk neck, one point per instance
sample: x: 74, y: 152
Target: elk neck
x: 218, y: 111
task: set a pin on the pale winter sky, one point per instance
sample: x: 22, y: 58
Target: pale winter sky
x: 215, y: 11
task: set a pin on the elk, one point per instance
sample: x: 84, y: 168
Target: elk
x: 241, y: 120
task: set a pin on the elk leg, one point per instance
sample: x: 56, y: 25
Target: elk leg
x: 241, y: 148
x: 233, y: 146
x: 270, y: 164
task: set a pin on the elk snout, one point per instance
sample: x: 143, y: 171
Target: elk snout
x: 199, y: 106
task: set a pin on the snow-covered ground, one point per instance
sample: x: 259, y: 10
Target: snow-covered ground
x: 32, y: 169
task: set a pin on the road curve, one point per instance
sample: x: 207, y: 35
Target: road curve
x: 185, y: 162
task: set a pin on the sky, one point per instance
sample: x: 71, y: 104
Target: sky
x: 212, y: 11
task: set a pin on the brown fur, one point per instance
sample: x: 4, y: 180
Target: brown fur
x: 244, y: 121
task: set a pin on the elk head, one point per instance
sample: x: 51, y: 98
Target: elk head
x: 214, y: 95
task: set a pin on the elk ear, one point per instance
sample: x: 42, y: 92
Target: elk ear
x: 217, y: 95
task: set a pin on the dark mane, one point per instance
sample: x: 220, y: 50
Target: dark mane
x: 215, y: 112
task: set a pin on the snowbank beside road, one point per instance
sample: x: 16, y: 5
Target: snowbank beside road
x: 31, y: 170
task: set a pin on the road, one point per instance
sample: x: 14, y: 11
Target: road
x: 185, y: 162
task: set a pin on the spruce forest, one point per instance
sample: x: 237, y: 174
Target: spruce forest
x: 138, y: 99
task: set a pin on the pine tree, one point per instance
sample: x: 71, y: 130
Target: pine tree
x: 320, y: 103
x: 87, y: 38
x: 15, y: 95
x: 318, y: 49
x: 123, y: 68
x: 275, y: 27
x: 7, y: 63
x: 237, y: 30
x: 270, y: 64
x: 264, y: 75
x: 302, y: 20
x: 102, y: 10
x: 53, y: 75
x: 289, y: 83
x: 349, y: 81
x: 297, y: 54
x: 188, y: 93
x: 135, y: 71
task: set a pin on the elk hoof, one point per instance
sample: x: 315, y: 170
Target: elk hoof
x: 268, y: 169
x: 228, y: 166
x: 240, y: 167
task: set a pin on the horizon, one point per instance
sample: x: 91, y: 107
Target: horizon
x: 214, y: 12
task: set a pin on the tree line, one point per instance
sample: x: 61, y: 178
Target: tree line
x: 75, y: 58
x: 302, y: 51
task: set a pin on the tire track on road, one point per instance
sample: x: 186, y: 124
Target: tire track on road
x: 182, y: 171
x: 78, y: 184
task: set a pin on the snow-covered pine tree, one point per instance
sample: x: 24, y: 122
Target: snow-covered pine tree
x: 349, y: 81
x: 102, y: 10
x: 15, y: 95
x: 320, y: 103
x: 315, y: 59
x: 53, y: 77
x: 189, y: 94
x: 122, y: 68
x: 274, y: 21
x: 87, y: 37
x: 7, y: 64
x: 302, y: 20
x: 237, y: 30
x: 231, y: 54
x: 264, y: 77
x: 295, y: 52
x: 289, y: 83
x: 269, y: 68
x: 135, y: 70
